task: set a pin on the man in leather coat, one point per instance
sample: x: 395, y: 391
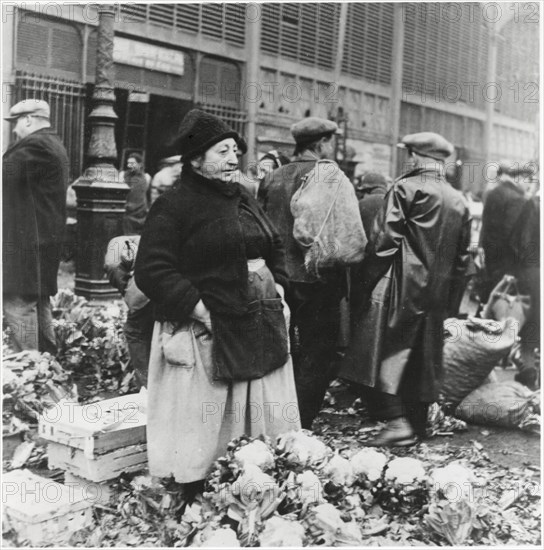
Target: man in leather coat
x: 413, y: 273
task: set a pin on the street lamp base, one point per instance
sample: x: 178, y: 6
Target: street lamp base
x: 95, y: 289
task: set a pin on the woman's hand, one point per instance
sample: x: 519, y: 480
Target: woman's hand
x: 202, y: 313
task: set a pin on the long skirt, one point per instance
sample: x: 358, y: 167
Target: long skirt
x: 192, y: 417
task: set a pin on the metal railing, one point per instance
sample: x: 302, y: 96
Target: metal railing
x: 67, y: 101
x: 231, y: 115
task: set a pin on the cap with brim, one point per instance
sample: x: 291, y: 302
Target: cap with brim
x: 311, y: 129
x: 516, y: 169
x: 35, y: 107
x: 428, y: 144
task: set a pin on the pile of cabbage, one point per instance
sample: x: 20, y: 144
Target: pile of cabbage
x: 299, y: 492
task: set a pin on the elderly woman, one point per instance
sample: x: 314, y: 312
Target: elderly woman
x: 213, y: 265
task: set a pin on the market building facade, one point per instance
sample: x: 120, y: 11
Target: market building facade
x: 381, y: 70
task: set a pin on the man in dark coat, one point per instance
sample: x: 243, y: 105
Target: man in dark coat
x: 510, y: 238
x: 35, y: 177
x: 414, y: 274
x: 502, y: 223
x: 370, y: 190
x: 137, y: 202
x: 314, y: 303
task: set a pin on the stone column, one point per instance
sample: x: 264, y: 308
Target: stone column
x: 253, y: 86
x: 100, y: 195
x: 396, y: 85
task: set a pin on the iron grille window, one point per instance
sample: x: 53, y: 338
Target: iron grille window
x: 188, y: 17
x: 67, y: 101
x: 518, y: 70
x: 369, y: 42
x: 134, y: 12
x: 47, y: 44
x: 307, y: 33
x: 163, y: 14
x: 234, y: 117
x: 444, y: 53
x: 219, y: 21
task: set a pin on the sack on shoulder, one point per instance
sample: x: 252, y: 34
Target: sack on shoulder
x: 327, y: 222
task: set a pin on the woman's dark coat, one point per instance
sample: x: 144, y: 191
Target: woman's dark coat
x: 416, y: 259
x: 34, y: 178
x: 192, y: 248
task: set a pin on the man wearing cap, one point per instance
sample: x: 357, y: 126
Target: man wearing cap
x: 35, y: 177
x: 314, y: 303
x: 511, y: 246
x: 414, y: 270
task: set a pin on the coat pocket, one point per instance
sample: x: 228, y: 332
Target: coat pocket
x: 178, y: 346
x: 250, y: 346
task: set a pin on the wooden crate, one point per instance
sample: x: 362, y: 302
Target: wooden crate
x: 97, y: 428
x: 42, y: 511
x: 101, y: 467
x: 94, y: 492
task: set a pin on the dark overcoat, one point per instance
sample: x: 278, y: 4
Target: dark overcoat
x: 506, y: 248
x: 35, y: 175
x: 192, y: 248
x: 414, y: 271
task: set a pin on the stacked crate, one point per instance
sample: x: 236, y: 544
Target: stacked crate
x: 95, y: 443
x: 41, y: 511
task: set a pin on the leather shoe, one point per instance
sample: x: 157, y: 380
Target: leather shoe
x: 397, y: 433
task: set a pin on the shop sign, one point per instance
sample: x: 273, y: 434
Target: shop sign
x: 148, y: 56
x: 138, y: 97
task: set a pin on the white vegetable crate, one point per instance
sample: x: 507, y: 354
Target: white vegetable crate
x: 96, y: 492
x: 42, y: 511
x: 100, y: 467
x: 96, y: 428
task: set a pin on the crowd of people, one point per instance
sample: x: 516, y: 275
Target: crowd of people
x: 228, y: 328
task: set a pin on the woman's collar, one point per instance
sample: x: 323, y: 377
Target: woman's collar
x: 228, y: 189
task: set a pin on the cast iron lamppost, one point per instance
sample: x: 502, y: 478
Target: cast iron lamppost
x: 100, y: 195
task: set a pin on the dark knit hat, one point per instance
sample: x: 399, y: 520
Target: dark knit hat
x: 199, y: 130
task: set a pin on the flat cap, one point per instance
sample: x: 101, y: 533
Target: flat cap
x: 312, y: 128
x: 36, y: 107
x: 171, y: 160
x: 199, y: 131
x: 372, y: 180
x: 515, y: 169
x: 428, y: 144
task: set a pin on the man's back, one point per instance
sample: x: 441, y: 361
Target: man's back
x: 425, y: 224
x: 501, y: 215
x: 35, y: 176
x: 275, y: 194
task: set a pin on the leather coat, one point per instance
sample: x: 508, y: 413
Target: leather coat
x: 414, y: 272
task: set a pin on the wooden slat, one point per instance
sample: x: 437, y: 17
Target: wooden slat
x: 188, y: 17
x: 212, y: 20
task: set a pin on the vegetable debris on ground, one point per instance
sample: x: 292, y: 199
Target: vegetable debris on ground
x: 324, y: 488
